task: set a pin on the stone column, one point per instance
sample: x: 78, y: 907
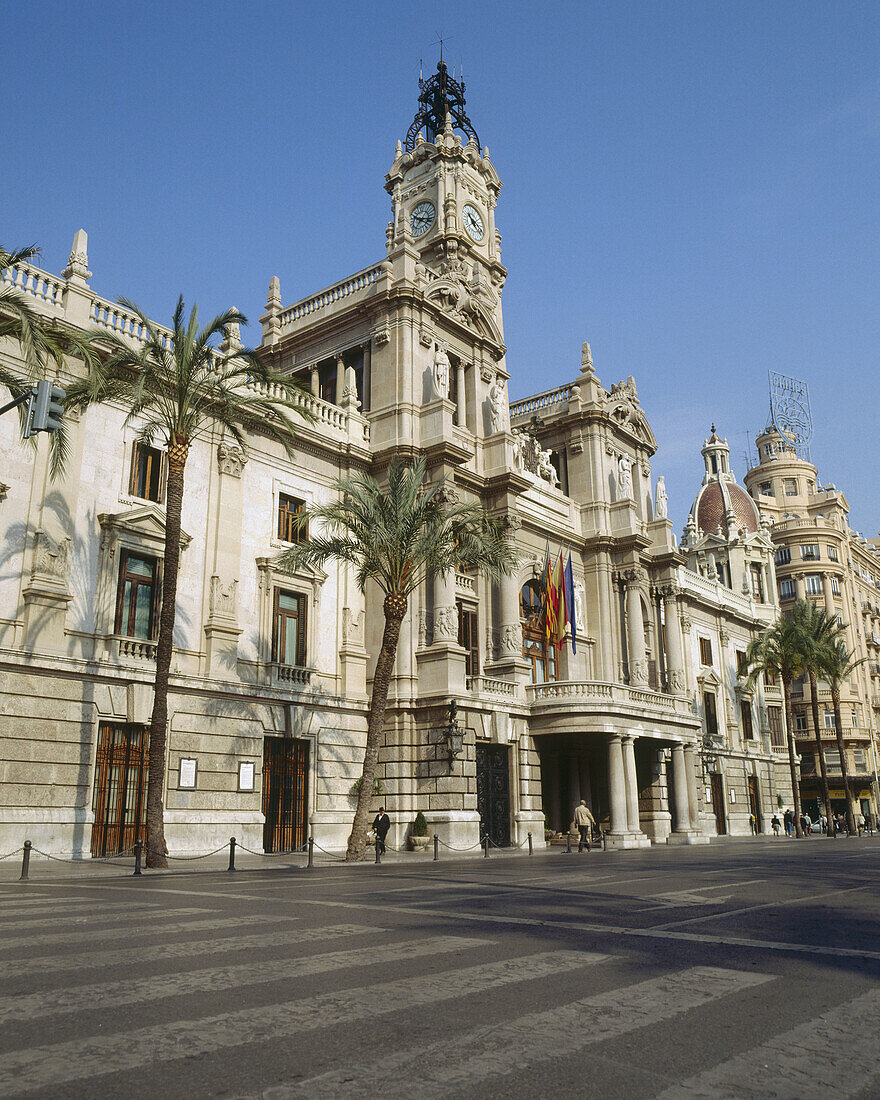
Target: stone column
x: 367, y: 377
x: 617, y: 785
x: 509, y: 627
x: 314, y: 381
x: 632, y: 785
x: 461, y: 410
x: 800, y: 586
x: 340, y: 379
x: 828, y: 594
x: 674, y: 656
x: 682, y: 822
x: 635, y: 631
x: 690, y: 762
x: 445, y: 614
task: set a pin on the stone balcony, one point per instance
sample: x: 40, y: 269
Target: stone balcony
x: 586, y: 706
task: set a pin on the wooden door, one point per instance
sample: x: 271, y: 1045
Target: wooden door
x: 119, y: 798
x: 285, y: 794
x: 493, y: 793
x: 718, y: 803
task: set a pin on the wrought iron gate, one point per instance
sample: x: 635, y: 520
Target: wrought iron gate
x: 285, y: 793
x: 493, y: 793
x: 119, y: 800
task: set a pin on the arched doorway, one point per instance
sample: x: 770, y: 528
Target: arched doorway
x: 540, y: 655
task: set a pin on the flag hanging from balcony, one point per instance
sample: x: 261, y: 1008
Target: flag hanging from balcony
x: 548, y: 597
x: 569, y: 603
x: 561, y: 616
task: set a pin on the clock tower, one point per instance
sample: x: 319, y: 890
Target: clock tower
x: 443, y: 190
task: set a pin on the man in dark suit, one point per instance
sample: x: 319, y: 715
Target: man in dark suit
x: 381, y: 825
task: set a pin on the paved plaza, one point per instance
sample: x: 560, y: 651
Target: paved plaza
x: 744, y: 969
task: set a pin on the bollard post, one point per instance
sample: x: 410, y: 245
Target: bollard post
x: 311, y: 862
x: 436, y: 847
x: 25, y: 861
x: 568, y: 844
x: 378, y: 851
x: 138, y: 849
x: 604, y: 840
x: 486, y: 846
x: 231, y: 866
x: 530, y: 844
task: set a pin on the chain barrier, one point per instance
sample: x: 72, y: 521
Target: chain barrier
x: 239, y: 847
x: 332, y: 855
x: 188, y: 859
x: 9, y: 855
x: 479, y: 844
x: 83, y: 862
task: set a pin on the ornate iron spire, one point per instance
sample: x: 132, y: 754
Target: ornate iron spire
x: 438, y: 95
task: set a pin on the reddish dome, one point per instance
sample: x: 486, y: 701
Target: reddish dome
x: 712, y: 504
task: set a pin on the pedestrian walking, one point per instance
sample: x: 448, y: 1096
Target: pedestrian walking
x: 860, y: 821
x: 381, y: 825
x: 787, y: 819
x: 823, y: 821
x: 585, y: 822
x: 753, y: 824
x: 774, y: 825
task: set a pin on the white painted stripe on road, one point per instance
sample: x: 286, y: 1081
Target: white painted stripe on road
x: 182, y: 949
x: 155, y: 927
x: 657, y: 932
x: 141, y: 990
x: 80, y: 914
x: 836, y: 893
x: 99, y: 1055
x: 835, y: 1054
x: 501, y: 1049
x: 701, y: 889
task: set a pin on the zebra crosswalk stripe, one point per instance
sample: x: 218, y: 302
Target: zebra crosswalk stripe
x: 156, y: 927
x: 94, y: 914
x: 141, y: 990
x: 835, y: 1054
x: 182, y: 949
x: 99, y: 1055
x: 527, y: 1040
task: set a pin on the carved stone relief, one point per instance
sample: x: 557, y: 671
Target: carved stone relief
x: 231, y: 458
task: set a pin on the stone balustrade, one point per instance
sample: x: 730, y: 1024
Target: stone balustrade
x: 30, y: 280
x: 363, y: 280
x: 134, y: 649
x: 541, y: 402
x: 576, y: 691
x: 486, y: 685
x: 290, y: 674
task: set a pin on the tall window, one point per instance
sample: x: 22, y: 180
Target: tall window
x: 829, y: 720
x: 800, y: 723
x: 289, y: 635
x: 832, y: 553
x: 786, y: 589
x: 289, y: 529
x: 137, y: 596
x: 705, y: 651
x: 147, y: 470
x: 770, y: 678
x: 810, y: 551
x: 835, y: 586
x: 756, y: 580
x: 710, y: 713
x: 468, y: 639
x: 746, y: 712
x: 774, y: 720
x: 766, y: 489
x: 741, y: 666
x: 540, y: 655
x: 813, y: 582
x: 791, y: 486
x: 859, y: 759
x: 783, y: 555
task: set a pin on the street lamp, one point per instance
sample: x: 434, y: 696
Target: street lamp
x: 453, y: 735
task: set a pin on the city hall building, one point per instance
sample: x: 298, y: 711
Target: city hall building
x: 642, y: 712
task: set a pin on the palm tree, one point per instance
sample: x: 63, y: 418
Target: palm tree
x: 396, y: 536
x: 838, y: 665
x: 39, y: 341
x: 778, y: 651
x: 178, y: 390
x: 817, y: 630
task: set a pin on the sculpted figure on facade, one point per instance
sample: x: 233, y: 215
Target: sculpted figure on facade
x: 223, y: 598
x: 511, y: 640
x: 497, y: 406
x: 230, y: 458
x: 661, y: 503
x: 546, y: 469
x: 624, y: 478
x: 445, y: 624
x: 579, y: 603
x: 440, y: 372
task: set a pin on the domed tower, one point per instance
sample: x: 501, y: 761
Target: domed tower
x: 724, y: 538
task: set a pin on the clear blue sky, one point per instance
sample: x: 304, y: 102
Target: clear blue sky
x: 693, y: 187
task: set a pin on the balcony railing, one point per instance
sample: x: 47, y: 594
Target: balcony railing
x: 576, y: 691
x: 290, y: 674
x: 135, y: 649
x: 486, y: 685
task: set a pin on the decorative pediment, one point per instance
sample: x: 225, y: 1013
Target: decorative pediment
x: 622, y: 407
x: 468, y: 301
x: 143, y: 526
x: 709, y: 680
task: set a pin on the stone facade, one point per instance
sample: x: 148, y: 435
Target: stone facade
x: 819, y: 557
x: 408, y: 356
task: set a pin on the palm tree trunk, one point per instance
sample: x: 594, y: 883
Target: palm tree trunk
x: 838, y: 718
x: 792, y: 763
x: 820, y: 752
x: 156, y: 848
x: 395, y: 609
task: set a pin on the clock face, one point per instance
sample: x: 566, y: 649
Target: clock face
x: 422, y: 218
x: 473, y: 223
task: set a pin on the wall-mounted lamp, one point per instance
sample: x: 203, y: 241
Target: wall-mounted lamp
x: 453, y: 734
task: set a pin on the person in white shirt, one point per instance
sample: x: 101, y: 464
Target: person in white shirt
x: 585, y: 822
